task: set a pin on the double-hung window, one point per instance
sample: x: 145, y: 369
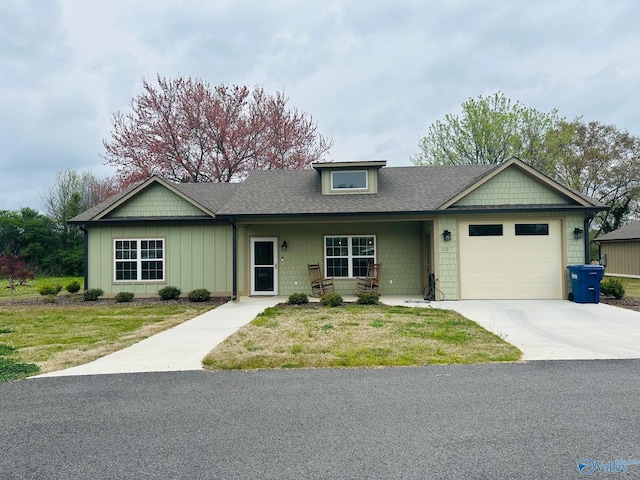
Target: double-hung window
x: 138, y: 260
x: 347, y: 256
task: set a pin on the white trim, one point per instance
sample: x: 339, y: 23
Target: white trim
x: 274, y: 240
x: 349, y: 255
x: 621, y: 275
x: 138, y: 260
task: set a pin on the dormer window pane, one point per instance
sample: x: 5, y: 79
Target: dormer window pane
x: 349, y: 180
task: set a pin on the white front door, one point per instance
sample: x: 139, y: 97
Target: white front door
x: 264, y: 266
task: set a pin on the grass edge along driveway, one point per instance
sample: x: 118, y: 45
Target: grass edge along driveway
x: 57, y: 337
x: 288, y: 336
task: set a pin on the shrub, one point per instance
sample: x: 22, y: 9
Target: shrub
x: 124, y: 297
x: 50, y: 299
x: 92, y: 294
x: 73, y: 287
x: 199, y: 295
x: 331, y: 299
x: 298, y: 299
x: 368, y: 298
x: 169, y: 293
x: 49, y: 289
x: 613, y: 287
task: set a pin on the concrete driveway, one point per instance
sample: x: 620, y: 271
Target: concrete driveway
x: 554, y: 329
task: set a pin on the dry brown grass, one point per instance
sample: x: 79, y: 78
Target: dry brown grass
x: 358, y: 336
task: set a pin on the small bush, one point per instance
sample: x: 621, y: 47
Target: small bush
x: 368, y: 298
x: 49, y: 289
x: 199, y: 295
x: 613, y: 287
x: 331, y: 299
x: 73, y: 287
x: 50, y: 299
x: 298, y: 299
x: 169, y: 293
x: 124, y: 297
x: 92, y: 294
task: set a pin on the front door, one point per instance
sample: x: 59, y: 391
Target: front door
x: 264, y: 266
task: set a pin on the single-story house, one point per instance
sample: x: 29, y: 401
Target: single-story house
x: 620, y: 251
x: 502, y: 231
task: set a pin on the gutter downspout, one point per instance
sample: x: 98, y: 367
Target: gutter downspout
x: 86, y: 256
x: 587, y: 241
x: 234, y: 293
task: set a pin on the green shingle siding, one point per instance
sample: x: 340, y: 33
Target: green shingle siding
x: 157, y: 201
x: 398, y: 249
x: 511, y: 187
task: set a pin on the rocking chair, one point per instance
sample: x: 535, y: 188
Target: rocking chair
x: 319, y: 284
x: 370, y: 283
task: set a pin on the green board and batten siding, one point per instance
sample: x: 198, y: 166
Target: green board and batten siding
x: 197, y: 256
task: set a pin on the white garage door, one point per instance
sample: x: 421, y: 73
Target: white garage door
x: 510, y: 260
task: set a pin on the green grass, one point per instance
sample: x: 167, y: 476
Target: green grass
x: 358, y: 336
x: 31, y: 288
x: 55, y: 337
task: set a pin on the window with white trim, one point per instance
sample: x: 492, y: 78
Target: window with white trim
x: 138, y: 260
x: 347, y: 256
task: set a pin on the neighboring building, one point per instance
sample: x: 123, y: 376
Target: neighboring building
x: 620, y: 251
x: 483, y: 231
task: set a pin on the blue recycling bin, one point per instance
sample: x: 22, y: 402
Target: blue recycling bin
x: 585, y: 282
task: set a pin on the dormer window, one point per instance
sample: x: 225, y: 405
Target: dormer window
x: 349, y: 180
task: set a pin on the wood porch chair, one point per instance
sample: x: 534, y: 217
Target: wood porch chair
x: 319, y: 284
x: 370, y: 283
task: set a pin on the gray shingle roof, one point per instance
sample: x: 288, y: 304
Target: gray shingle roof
x: 299, y: 192
x: 628, y: 232
x: 400, y: 189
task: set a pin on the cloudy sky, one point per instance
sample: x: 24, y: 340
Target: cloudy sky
x: 374, y: 74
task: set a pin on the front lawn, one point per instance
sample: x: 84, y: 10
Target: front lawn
x: 53, y: 337
x: 357, y: 336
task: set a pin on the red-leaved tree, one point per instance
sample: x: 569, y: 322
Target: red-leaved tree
x: 15, y: 271
x: 186, y: 131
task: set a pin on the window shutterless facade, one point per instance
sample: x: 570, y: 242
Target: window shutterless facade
x: 139, y: 260
x: 532, y: 229
x: 350, y: 180
x: 347, y: 256
x: 485, y: 230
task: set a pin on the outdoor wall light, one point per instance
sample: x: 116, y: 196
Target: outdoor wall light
x: 284, y: 246
x: 446, y: 235
x: 577, y: 233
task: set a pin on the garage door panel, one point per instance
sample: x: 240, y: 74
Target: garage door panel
x: 511, y: 266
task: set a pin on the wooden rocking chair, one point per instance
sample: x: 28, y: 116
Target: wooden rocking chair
x: 319, y: 284
x: 370, y: 283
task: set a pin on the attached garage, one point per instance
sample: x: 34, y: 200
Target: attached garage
x: 511, y: 259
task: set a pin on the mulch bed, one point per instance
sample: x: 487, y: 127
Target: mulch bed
x: 628, y: 302
x: 76, y: 300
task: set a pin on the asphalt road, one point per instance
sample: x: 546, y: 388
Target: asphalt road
x: 521, y: 420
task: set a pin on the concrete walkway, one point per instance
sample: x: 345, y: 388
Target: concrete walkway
x: 180, y: 348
